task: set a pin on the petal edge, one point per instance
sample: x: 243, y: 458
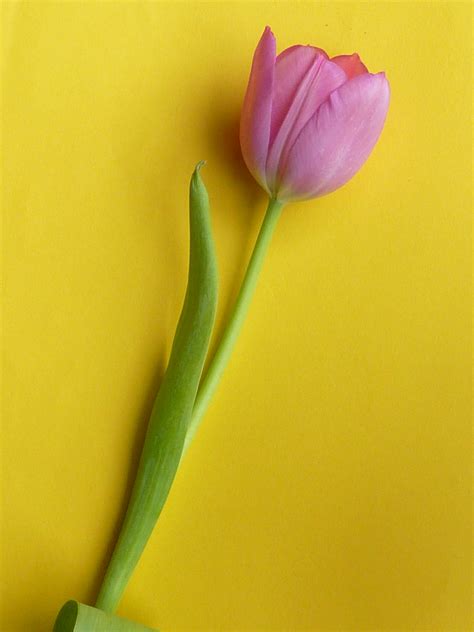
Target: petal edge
x: 255, y: 118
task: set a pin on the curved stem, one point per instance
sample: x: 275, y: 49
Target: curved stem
x: 226, y: 344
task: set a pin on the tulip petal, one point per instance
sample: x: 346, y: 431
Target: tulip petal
x: 257, y: 108
x: 338, y: 139
x: 351, y: 64
x: 297, y: 99
x: 291, y: 66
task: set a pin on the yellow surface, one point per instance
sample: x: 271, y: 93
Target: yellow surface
x: 329, y: 485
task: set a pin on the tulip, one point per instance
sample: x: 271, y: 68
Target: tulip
x: 309, y: 122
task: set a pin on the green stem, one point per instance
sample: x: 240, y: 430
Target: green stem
x: 224, y: 350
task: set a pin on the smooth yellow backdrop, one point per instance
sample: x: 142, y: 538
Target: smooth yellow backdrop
x: 329, y: 486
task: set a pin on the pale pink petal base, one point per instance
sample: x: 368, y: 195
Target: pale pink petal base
x: 338, y: 139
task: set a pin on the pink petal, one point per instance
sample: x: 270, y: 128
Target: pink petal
x: 290, y: 68
x: 303, y: 80
x: 338, y: 139
x: 257, y: 108
x: 351, y: 64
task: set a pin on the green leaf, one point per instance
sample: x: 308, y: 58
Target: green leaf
x: 75, y: 617
x: 167, y: 428
x: 174, y: 404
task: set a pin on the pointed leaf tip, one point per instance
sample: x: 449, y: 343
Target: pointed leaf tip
x: 199, y: 166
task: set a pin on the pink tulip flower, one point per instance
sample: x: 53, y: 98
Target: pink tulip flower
x: 309, y: 122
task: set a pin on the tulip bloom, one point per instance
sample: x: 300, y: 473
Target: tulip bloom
x: 309, y: 122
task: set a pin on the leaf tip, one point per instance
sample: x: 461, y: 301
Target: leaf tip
x: 199, y: 166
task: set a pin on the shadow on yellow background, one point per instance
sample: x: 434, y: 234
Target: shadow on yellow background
x: 329, y: 486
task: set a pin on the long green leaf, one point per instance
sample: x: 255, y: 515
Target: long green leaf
x: 174, y: 404
x: 172, y: 409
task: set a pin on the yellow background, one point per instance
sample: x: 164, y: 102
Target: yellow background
x: 329, y: 486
